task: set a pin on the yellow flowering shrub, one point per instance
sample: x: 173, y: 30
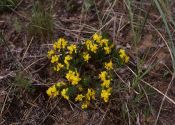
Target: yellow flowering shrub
x: 86, y: 69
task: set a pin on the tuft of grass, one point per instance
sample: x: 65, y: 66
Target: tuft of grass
x: 137, y: 28
x: 21, y: 81
x: 165, y: 14
x: 138, y: 20
x: 41, y: 24
x: 5, y: 5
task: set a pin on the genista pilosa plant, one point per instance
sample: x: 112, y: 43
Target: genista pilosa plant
x: 86, y: 69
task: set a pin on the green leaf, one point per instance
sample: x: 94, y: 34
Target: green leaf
x: 72, y: 90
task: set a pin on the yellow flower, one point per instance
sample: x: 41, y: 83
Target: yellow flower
x: 97, y: 37
x: 126, y: 59
x: 88, y: 43
x: 94, y: 47
x: 107, y: 50
x: 104, y: 42
x: 69, y: 75
x: 91, y: 46
x: 75, y: 80
x: 90, y: 94
x: 109, y: 66
x: 86, y: 56
x: 54, y: 58
x: 106, y: 83
x: 79, y: 97
x: 64, y: 93
x: 123, y: 56
x: 73, y: 77
x: 57, y: 45
x: 66, y: 60
x: 52, y: 91
x: 105, y: 94
x: 58, y: 67
x: 72, y: 48
x: 103, y: 75
x: 122, y: 52
x: 85, y: 105
x: 61, y: 43
x: 50, y: 53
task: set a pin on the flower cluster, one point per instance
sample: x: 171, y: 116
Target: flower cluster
x: 86, y: 69
x: 106, y: 83
x: 73, y: 77
x: 123, y: 56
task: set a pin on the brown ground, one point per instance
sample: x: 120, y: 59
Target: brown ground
x: 24, y: 56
